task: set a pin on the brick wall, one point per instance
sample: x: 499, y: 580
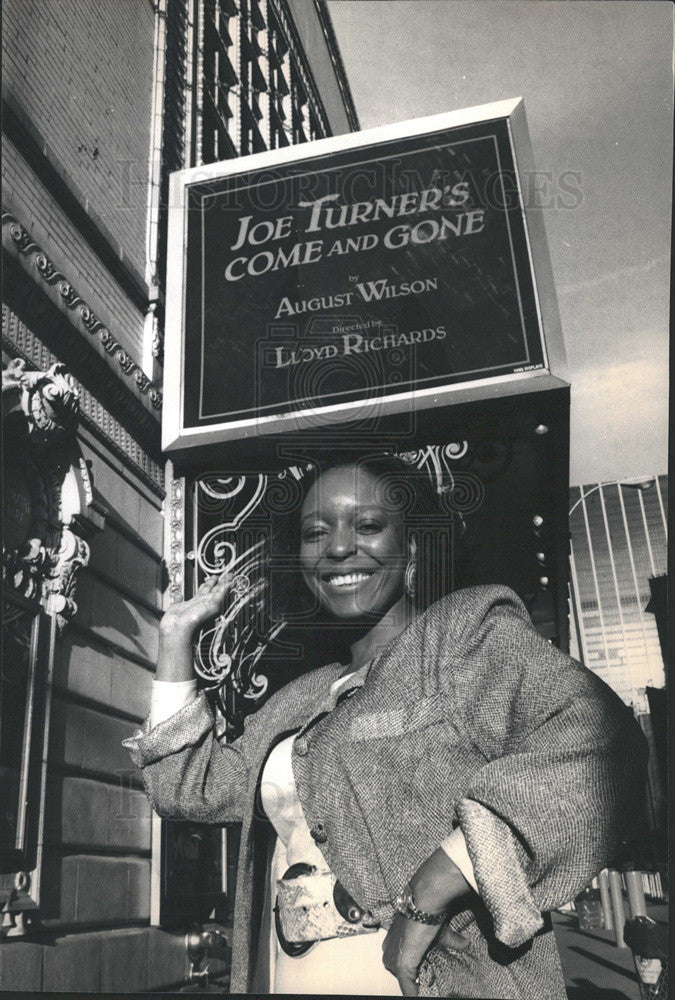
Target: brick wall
x: 97, y: 838
x: 31, y: 203
x: 81, y: 72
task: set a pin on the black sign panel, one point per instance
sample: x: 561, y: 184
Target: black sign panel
x: 357, y: 274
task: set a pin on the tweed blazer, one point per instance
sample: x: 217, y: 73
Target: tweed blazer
x: 467, y: 718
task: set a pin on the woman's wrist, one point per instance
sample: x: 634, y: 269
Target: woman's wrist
x: 437, y: 883
x: 177, y: 636
x: 179, y: 626
x: 174, y: 658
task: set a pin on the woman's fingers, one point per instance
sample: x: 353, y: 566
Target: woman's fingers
x: 226, y: 579
x: 210, y: 598
x: 220, y: 587
x: 403, y: 951
x: 455, y: 941
x: 407, y: 982
x: 219, y: 581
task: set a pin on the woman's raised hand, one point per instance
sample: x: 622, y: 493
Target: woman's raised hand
x: 187, y: 616
x: 174, y: 660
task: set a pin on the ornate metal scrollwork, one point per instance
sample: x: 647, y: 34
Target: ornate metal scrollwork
x: 227, y: 652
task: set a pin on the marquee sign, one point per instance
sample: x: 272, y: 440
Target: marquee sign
x: 375, y: 272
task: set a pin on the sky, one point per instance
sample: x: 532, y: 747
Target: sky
x: 597, y: 80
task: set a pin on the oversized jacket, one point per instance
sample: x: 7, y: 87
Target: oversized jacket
x: 468, y: 717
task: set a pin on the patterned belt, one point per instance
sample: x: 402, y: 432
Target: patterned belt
x: 312, y: 905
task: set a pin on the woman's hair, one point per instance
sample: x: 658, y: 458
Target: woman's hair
x: 427, y: 519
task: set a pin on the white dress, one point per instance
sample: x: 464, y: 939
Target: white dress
x: 339, y: 965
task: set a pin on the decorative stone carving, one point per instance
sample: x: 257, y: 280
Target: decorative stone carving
x: 49, y: 511
x: 49, y: 398
x: 20, y: 238
x: 19, y: 341
x: 157, y: 333
x: 175, y: 535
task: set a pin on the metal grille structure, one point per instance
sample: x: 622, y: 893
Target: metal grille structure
x: 253, y: 89
x: 618, y: 542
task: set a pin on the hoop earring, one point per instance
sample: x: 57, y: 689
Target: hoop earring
x: 410, y: 579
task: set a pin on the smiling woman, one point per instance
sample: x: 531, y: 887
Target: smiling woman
x: 410, y: 843
x: 370, y: 537
x: 353, y: 548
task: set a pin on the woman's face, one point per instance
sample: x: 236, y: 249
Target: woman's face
x: 352, y: 549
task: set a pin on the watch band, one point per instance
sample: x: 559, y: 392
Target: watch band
x: 406, y: 906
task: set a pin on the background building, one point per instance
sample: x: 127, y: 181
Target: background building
x: 618, y: 565
x: 100, y: 103
x: 618, y: 545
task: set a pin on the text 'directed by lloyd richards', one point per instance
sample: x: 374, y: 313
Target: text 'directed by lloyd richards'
x: 389, y: 270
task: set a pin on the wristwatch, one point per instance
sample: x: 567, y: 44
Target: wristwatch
x: 406, y: 906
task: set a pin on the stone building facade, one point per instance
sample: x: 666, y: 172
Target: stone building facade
x: 100, y: 102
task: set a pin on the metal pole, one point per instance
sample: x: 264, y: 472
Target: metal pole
x: 603, y: 882
x: 636, y: 894
x: 575, y: 595
x: 618, y: 912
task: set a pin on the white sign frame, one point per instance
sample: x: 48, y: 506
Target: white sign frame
x: 176, y: 436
